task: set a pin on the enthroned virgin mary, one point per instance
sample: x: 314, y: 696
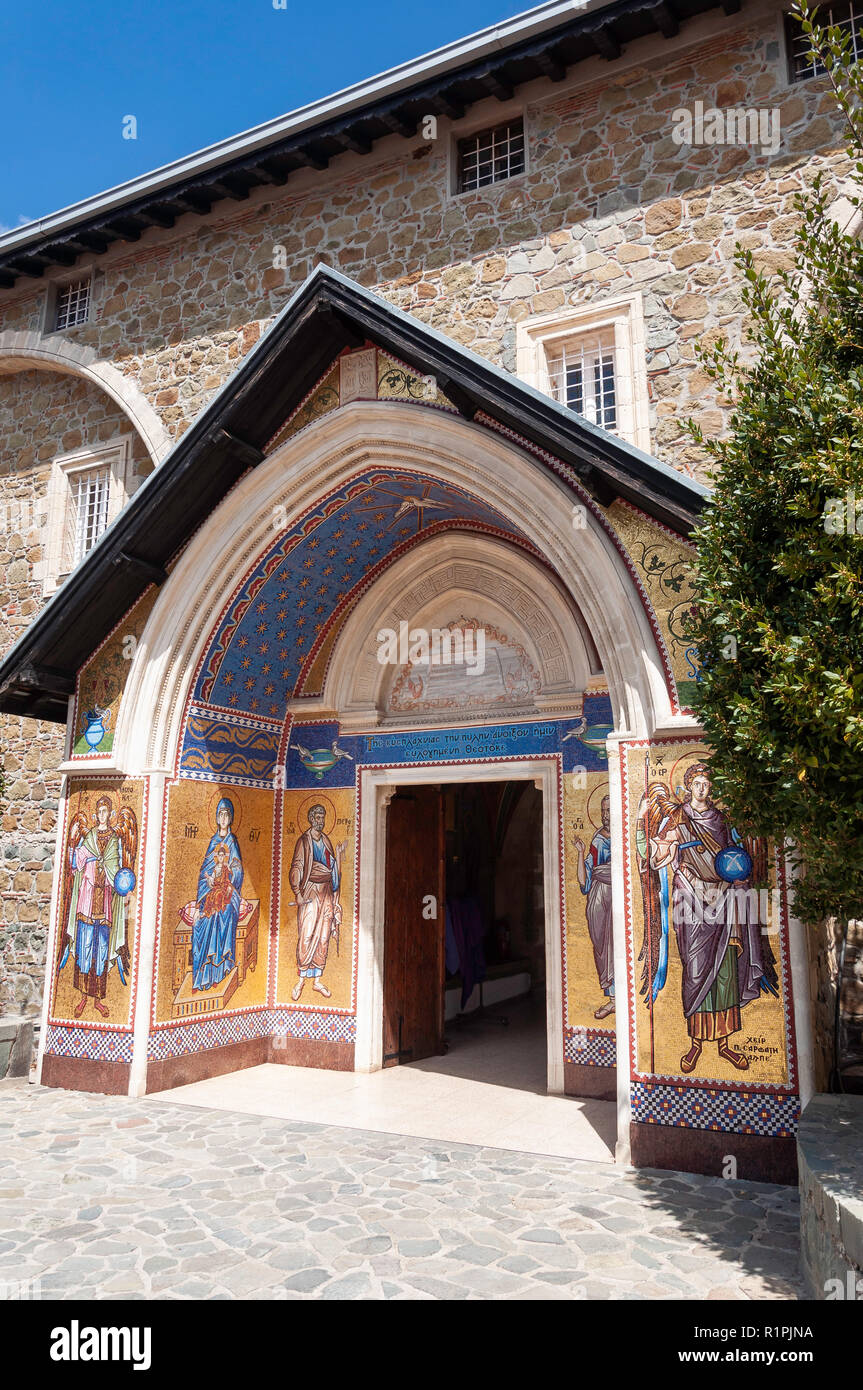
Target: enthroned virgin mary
x: 218, y: 903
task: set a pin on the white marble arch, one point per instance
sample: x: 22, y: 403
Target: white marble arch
x: 451, y: 575
x: 589, y: 570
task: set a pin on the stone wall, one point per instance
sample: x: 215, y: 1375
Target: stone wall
x: 831, y: 1209
x: 43, y: 414
x: 609, y: 205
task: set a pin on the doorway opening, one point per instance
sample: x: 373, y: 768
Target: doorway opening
x: 465, y: 987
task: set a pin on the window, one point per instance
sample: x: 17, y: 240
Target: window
x: 848, y: 17
x: 591, y: 358
x: 87, y: 512
x: 72, y: 304
x: 491, y: 156
x: 581, y: 375
x: 86, y: 491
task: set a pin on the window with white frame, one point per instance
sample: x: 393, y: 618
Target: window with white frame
x: 591, y: 358
x: 87, y: 489
x: 72, y: 304
x: 490, y: 156
x: 581, y: 375
x: 88, y: 510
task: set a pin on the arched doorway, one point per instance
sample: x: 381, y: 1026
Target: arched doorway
x: 483, y: 533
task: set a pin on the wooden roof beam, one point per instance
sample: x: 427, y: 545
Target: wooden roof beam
x: 399, y: 125
x: 606, y: 44
x: 665, y: 20
x: 550, y: 66
x: 355, y: 143
x: 307, y: 159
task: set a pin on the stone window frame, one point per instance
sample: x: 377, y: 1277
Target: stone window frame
x: 116, y: 455
x: 55, y: 288
x: 463, y: 130
x: 624, y: 317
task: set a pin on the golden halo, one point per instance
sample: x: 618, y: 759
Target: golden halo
x: 303, y: 808
x: 679, y: 770
x: 602, y: 789
x: 230, y: 795
x: 90, y: 797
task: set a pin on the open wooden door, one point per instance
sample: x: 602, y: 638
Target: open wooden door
x: 414, y: 943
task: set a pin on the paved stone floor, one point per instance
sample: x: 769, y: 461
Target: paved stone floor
x: 102, y: 1196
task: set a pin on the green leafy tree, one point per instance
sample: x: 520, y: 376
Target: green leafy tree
x: 779, y: 617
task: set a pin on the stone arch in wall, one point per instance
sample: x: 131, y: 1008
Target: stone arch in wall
x: 26, y: 351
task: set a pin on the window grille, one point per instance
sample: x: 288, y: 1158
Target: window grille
x: 491, y: 156
x: 848, y: 18
x: 73, y: 304
x: 88, y: 513
x: 581, y: 376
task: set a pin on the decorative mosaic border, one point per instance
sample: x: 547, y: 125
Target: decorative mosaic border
x: 294, y: 1023
x: 209, y: 1033
x: 730, y: 1111
x: 89, y: 1044
x: 590, y: 1047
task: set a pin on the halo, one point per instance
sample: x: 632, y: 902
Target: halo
x: 679, y: 769
x: 231, y: 795
x: 94, y: 794
x: 602, y: 789
x: 303, y: 807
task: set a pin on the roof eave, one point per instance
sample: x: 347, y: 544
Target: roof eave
x: 327, y: 313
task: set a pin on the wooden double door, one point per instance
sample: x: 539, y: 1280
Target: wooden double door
x: 414, y: 926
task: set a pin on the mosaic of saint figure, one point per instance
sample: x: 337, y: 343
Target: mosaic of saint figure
x: 218, y: 904
x: 694, y: 864
x: 315, y: 878
x: 593, y: 870
x: 95, y: 904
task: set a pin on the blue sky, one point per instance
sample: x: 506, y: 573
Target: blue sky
x: 191, y: 72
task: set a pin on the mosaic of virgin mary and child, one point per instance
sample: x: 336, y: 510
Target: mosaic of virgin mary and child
x: 218, y: 904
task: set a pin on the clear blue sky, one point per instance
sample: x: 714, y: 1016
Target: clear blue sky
x: 190, y: 71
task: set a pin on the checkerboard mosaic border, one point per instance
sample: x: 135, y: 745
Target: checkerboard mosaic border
x: 702, y: 1107
x: 589, y: 1047
x: 89, y: 1044
x: 301, y: 1024
x: 205, y: 1034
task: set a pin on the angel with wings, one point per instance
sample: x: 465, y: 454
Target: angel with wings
x: 94, y: 909
x: 727, y: 961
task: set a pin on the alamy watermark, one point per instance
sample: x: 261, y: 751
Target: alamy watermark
x: 733, y: 125
x: 437, y: 646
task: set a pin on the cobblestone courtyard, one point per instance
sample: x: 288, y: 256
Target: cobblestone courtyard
x: 106, y: 1197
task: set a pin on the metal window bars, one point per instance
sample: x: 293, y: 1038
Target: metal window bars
x: 581, y: 376
x: 848, y: 17
x: 491, y: 156
x: 73, y: 304
x: 89, y: 509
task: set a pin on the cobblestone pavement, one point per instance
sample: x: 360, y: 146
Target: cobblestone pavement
x: 102, y: 1196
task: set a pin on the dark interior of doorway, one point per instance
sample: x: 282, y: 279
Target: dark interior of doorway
x: 486, y: 987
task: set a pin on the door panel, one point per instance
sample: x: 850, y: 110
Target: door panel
x: 414, y: 944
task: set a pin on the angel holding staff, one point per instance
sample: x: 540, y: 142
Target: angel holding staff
x: 101, y: 857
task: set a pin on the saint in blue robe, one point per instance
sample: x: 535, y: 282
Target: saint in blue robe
x: 214, y: 936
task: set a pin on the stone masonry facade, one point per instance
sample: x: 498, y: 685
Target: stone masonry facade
x: 609, y: 205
